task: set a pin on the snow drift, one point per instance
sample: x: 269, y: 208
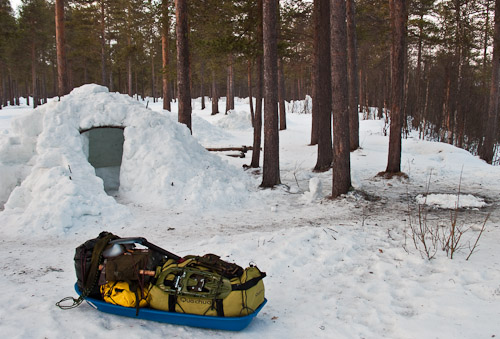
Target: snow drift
x: 45, y: 157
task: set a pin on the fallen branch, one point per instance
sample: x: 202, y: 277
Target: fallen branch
x: 243, y: 149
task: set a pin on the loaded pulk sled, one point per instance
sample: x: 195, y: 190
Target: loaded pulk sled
x: 115, y: 276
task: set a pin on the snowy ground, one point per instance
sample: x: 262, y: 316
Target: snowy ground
x: 335, y: 269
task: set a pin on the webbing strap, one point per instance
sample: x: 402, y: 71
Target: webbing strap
x: 248, y: 284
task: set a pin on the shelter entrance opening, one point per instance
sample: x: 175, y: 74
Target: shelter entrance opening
x: 104, y: 149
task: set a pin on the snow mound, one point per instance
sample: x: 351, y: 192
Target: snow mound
x: 206, y: 133
x: 57, y: 188
x: 451, y: 201
x: 315, y: 190
x: 300, y: 106
x: 235, y: 120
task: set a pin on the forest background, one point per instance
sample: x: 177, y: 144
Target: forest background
x: 118, y: 43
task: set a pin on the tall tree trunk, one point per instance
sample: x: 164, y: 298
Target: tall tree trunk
x: 11, y: 91
x: 281, y: 95
x: 315, y: 75
x: 103, y: 43
x: 129, y: 73
x: 447, y: 132
x: 26, y: 91
x: 85, y: 71
x: 323, y: 85
x: 44, y: 88
x: 61, y: 49
x: 425, y: 110
x: 398, y: 8
x: 361, y: 90
x: 33, y: 74
x: 418, y: 76
x: 250, y: 95
x: 352, y: 76
x: 54, y: 79
x: 257, y: 125
x: 281, y: 79
x: 111, y: 85
x: 215, y: 95
x: 202, y: 83
x: 2, y: 88
x: 181, y: 16
x: 164, y: 55
x: 230, y: 83
x: 153, y: 80
x: 14, y: 92
x: 341, y: 177
x: 457, y: 111
x: 487, y: 152
x: 271, y: 168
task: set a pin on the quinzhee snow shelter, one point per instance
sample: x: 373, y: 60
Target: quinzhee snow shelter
x: 58, y: 163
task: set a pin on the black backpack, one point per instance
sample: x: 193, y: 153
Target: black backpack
x: 89, y: 259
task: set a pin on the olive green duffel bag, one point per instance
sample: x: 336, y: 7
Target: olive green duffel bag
x: 210, y: 286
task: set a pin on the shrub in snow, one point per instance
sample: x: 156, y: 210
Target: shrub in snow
x: 162, y: 164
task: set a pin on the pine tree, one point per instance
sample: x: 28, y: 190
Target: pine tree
x: 62, y: 76
x: 398, y: 15
x: 270, y: 172
x: 487, y: 151
x: 165, y: 29
x: 341, y: 176
x: 352, y: 75
x: 257, y: 121
x: 323, y: 82
x: 181, y: 16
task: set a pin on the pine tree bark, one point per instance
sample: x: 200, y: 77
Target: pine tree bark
x: 352, y: 75
x: 418, y: 76
x: 281, y: 95
x: 361, y: 89
x: 202, y: 83
x: 323, y: 85
x: 60, y: 49
x: 341, y: 177
x: 447, y: 132
x: 491, y: 127
x: 34, y: 87
x: 314, y: 76
x: 153, y: 89
x: 281, y: 79
x: 2, y: 87
x: 183, y: 83
x: 164, y: 55
x: 397, y: 84
x: 215, y: 95
x: 129, y: 68
x: 271, y: 169
x: 103, y: 43
x: 230, y: 83
x: 250, y: 85
x: 257, y: 124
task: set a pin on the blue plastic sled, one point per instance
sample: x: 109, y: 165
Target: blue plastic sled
x: 203, y: 321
